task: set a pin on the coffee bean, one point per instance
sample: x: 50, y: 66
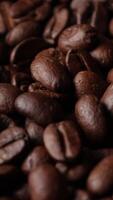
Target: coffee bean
x: 20, y: 32
x: 8, y: 94
x: 107, y: 98
x: 37, y: 157
x: 62, y: 141
x: 87, y: 82
x: 78, y: 37
x: 41, y: 108
x: 110, y: 76
x: 12, y: 143
x: 91, y: 118
x: 41, y: 179
x: 82, y: 195
x: 47, y: 69
x: 100, y: 181
x: 55, y: 26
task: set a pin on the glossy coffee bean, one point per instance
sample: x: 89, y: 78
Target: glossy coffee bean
x: 87, y: 82
x: 55, y: 26
x: 91, y: 118
x: 40, y: 181
x: 38, y: 156
x: 63, y: 134
x: 20, y: 32
x: 107, y: 99
x: 12, y: 143
x: 47, y: 69
x: 40, y: 107
x: 77, y: 37
x: 100, y: 180
x: 8, y: 94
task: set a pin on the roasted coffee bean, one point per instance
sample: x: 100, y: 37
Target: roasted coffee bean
x: 12, y: 143
x: 38, y: 156
x: 62, y: 141
x: 107, y: 98
x: 25, y: 51
x: 21, y: 7
x: 22, y: 31
x: 100, y: 180
x: 43, y: 11
x: 35, y: 132
x: 47, y: 69
x: 87, y: 82
x: 111, y: 27
x: 78, y: 37
x: 8, y: 94
x: 55, y: 26
x: 40, y: 107
x: 103, y: 54
x: 40, y: 181
x: 91, y: 118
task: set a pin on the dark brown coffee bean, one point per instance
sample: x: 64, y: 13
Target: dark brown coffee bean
x: 107, y: 98
x: 47, y: 69
x: 40, y: 181
x: 8, y: 94
x: 26, y: 50
x: 21, y: 7
x: 56, y: 25
x: 62, y: 141
x: 20, y: 32
x: 12, y: 143
x: 77, y: 37
x: 91, y: 118
x: 87, y: 82
x: 40, y: 107
x: 35, y: 132
x: 103, y: 53
x: 100, y: 181
x: 2, y: 25
x: 38, y: 156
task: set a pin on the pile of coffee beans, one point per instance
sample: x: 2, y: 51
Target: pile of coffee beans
x: 56, y: 100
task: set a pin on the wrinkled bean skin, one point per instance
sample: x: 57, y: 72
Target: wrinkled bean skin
x: 8, y: 95
x: 88, y: 83
x: 41, y: 108
x: 41, y: 179
x: 50, y: 72
x: 90, y: 116
x: 77, y: 37
x: 100, y: 180
x: 63, y: 134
